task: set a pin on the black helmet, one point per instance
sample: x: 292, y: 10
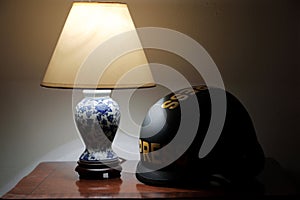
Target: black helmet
x: 236, y: 155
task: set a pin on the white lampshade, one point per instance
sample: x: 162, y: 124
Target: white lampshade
x: 88, y: 26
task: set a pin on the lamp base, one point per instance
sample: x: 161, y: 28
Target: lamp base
x: 97, y: 118
x: 98, y: 170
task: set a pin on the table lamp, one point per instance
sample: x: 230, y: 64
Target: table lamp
x: 88, y: 26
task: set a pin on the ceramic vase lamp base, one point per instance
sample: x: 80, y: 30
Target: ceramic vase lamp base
x: 97, y: 117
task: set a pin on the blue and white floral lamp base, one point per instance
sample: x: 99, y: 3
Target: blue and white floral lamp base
x: 97, y: 117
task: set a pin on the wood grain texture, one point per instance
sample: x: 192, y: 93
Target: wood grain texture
x: 59, y: 180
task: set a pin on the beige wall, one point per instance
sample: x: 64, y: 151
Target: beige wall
x: 255, y: 45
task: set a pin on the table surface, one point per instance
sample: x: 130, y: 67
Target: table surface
x: 59, y: 180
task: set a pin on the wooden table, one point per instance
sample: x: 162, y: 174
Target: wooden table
x: 59, y: 180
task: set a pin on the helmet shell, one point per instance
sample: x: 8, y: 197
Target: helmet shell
x: 236, y: 156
